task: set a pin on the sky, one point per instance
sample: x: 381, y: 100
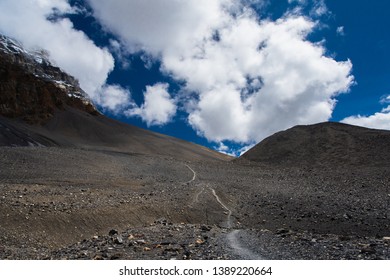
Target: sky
x: 223, y: 73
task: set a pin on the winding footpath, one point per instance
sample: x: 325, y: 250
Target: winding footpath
x: 193, y: 172
x: 229, y: 216
x: 234, y: 236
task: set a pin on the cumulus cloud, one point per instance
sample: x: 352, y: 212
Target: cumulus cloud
x: 140, y: 22
x: 114, y: 98
x: 244, y: 78
x: 39, y: 24
x: 379, y: 120
x: 158, y: 107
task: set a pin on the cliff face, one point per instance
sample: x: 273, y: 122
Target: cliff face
x: 31, y: 88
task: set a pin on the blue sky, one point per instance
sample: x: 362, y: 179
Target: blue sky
x: 224, y: 74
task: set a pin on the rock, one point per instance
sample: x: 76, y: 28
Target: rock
x: 112, y: 232
x: 173, y: 248
x: 161, y: 221
x: 368, y: 250
x: 118, y: 240
x: 199, y: 241
x: 205, y: 228
x: 347, y: 216
x: 282, y: 231
x: 98, y: 257
x: 344, y: 238
x: 130, y: 237
x: 116, y: 257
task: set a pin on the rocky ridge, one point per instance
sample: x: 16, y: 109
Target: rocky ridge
x: 32, y: 88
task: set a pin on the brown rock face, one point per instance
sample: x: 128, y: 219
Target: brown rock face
x: 31, y: 88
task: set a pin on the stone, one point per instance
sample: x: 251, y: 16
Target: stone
x: 118, y: 240
x: 368, y: 250
x: 282, y: 231
x: 347, y: 216
x: 205, y: 228
x: 199, y: 241
x: 98, y: 257
x: 116, y: 257
x: 112, y: 232
x: 130, y: 237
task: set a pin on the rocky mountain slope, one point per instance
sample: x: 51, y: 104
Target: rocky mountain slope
x: 42, y: 105
x: 324, y: 144
x: 32, y: 89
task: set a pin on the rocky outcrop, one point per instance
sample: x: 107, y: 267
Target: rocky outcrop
x: 31, y: 88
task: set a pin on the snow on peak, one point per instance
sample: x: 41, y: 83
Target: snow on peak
x: 38, y: 63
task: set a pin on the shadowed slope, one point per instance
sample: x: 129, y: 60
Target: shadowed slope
x: 74, y: 128
x: 324, y: 144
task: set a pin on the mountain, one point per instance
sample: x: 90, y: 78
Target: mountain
x: 91, y: 187
x: 324, y: 144
x: 42, y: 105
x: 32, y: 88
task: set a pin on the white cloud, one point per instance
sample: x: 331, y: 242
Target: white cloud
x: 379, y: 120
x: 114, y: 98
x: 222, y: 148
x: 244, y: 78
x: 385, y: 99
x: 297, y: 1
x: 120, y: 52
x: 158, y: 107
x: 154, y: 25
x: 319, y: 8
x: 340, y: 30
x: 26, y: 21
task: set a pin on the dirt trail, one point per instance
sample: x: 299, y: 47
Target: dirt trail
x: 194, y: 177
x: 229, y: 216
x: 233, y: 237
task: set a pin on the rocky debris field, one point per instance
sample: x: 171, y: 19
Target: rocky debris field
x: 305, y: 245
x: 162, y: 240
x: 63, y: 203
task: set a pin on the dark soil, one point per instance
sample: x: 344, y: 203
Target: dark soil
x: 64, y: 203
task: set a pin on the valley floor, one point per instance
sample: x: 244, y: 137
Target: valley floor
x: 58, y: 203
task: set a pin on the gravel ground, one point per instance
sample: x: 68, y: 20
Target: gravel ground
x: 59, y: 203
